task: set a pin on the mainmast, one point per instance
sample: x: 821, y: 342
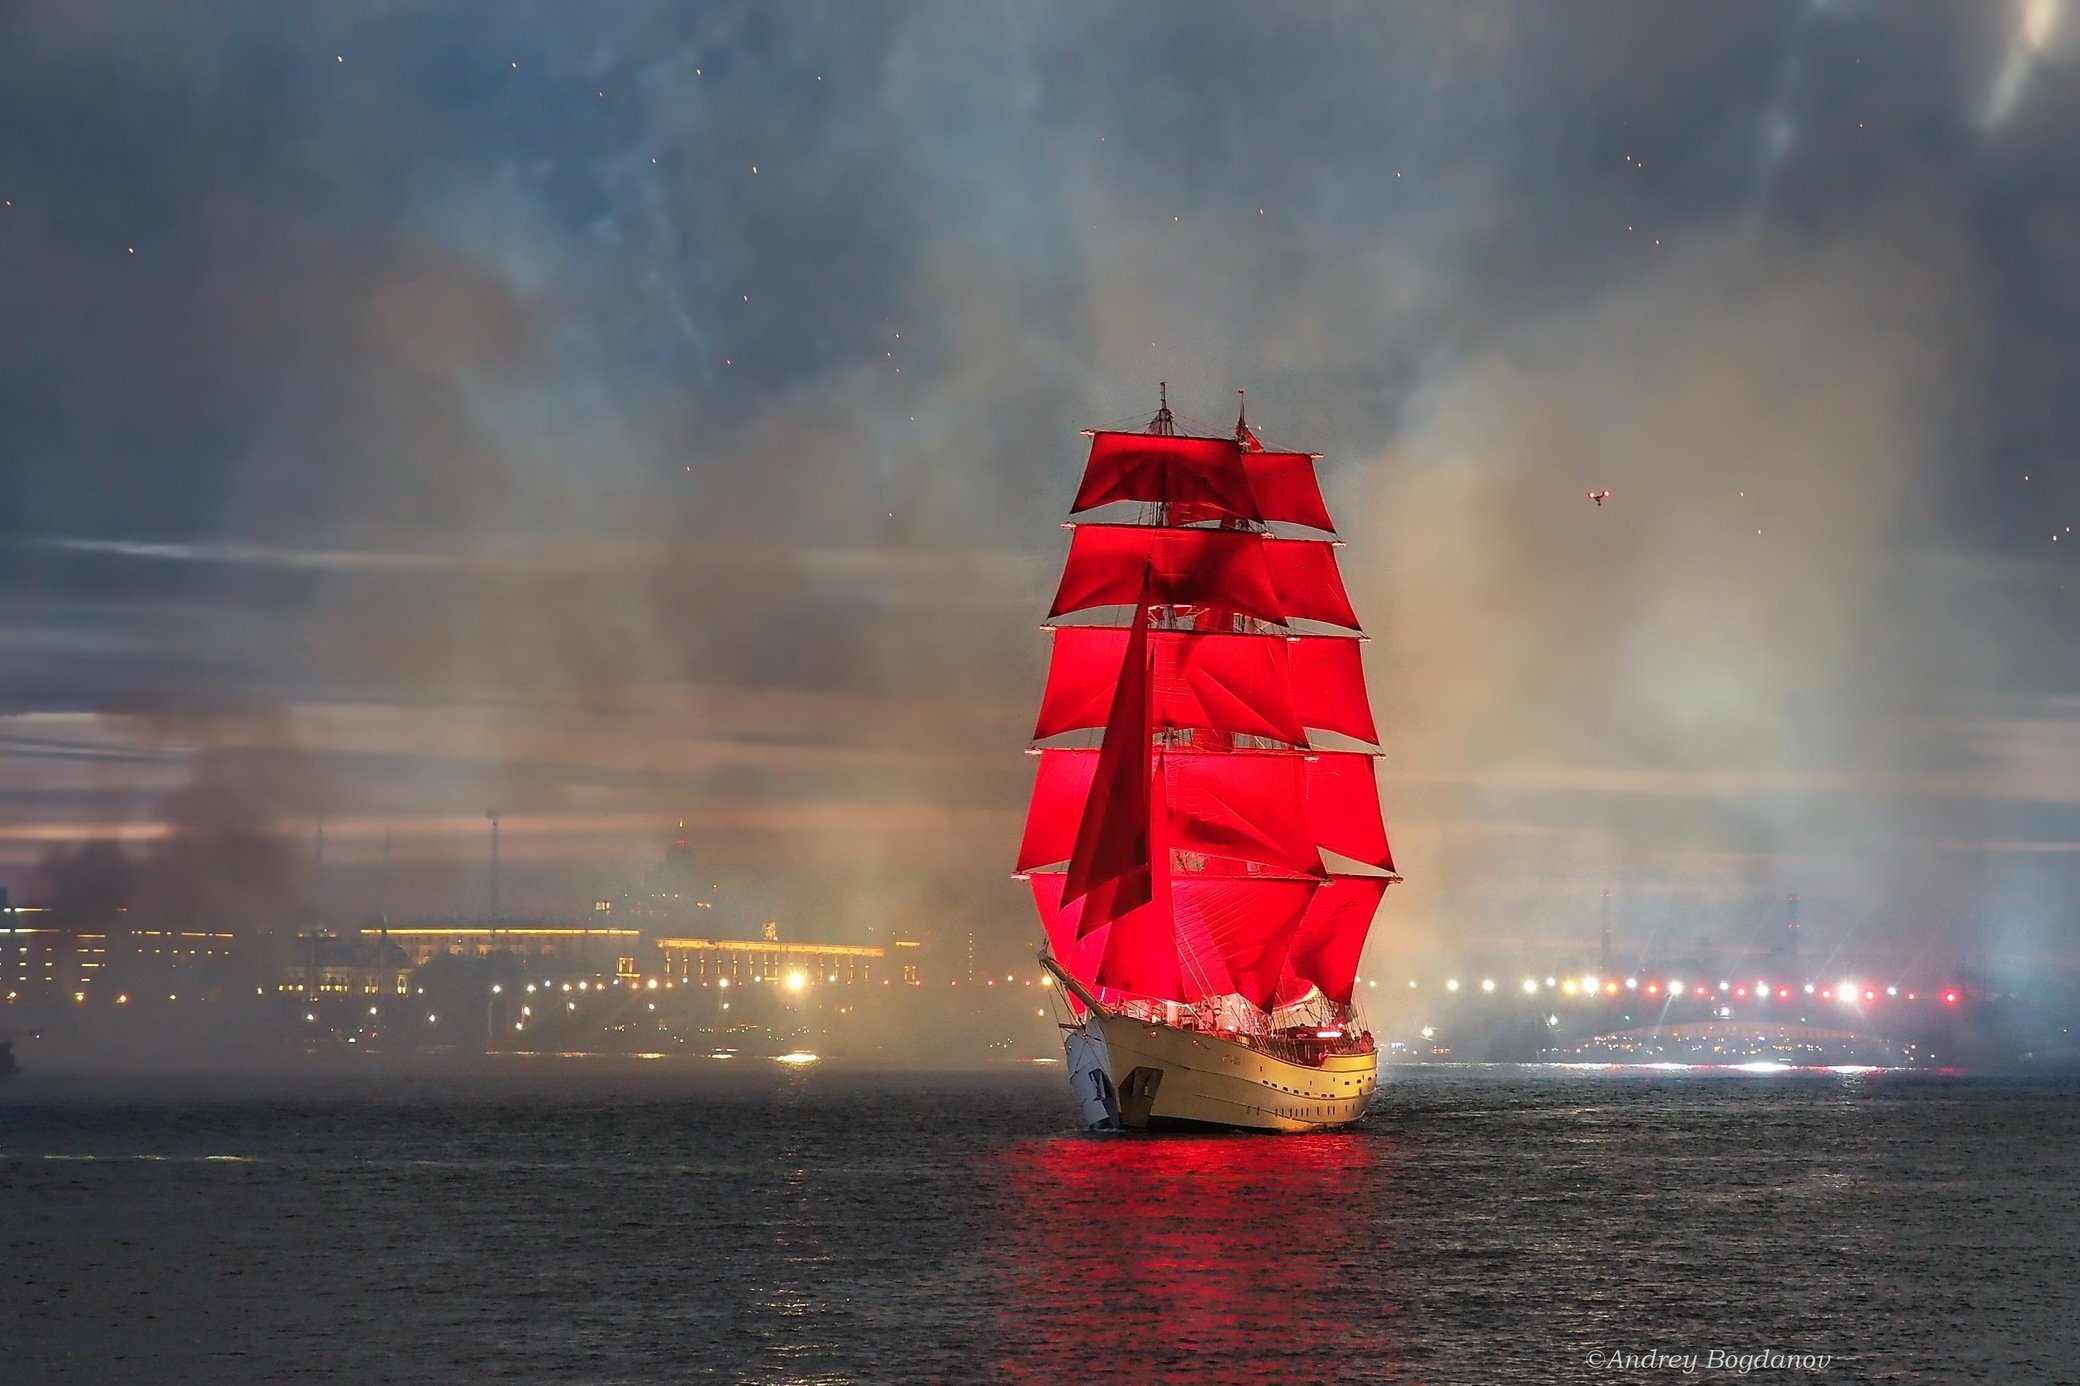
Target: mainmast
x: 1163, y: 424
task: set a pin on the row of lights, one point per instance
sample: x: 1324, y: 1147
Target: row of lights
x: 796, y: 980
x: 1848, y: 992
x: 793, y: 981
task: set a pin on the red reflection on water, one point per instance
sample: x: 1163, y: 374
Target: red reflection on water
x: 1213, y: 1257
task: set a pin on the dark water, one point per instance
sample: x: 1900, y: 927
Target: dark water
x: 614, y: 1223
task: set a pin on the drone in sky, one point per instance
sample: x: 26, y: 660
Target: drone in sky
x: 1600, y: 497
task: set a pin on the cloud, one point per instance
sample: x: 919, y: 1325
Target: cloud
x: 1775, y: 422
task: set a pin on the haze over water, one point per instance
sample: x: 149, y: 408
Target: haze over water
x: 614, y: 1222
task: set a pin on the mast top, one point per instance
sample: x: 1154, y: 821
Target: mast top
x: 1163, y: 422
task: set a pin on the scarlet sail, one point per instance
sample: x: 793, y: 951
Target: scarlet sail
x: 1247, y: 572
x: 1325, y: 949
x: 1268, y: 807
x: 1220, y: 936
x: 1203, y: 477
x: 1271, y: 686
x: 1158, y: 468
x: 1181, y: 860
x: 1112, y: 862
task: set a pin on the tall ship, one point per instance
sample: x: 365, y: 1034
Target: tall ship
x: 1205, y: 844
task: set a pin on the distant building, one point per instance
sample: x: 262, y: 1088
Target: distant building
x: 768, y: 959
x: 42, y: 961
x: 673, y: 886
x: 324, y: 964
x: 178, y: 949
x: 567, y: 944
x: 670, y: 898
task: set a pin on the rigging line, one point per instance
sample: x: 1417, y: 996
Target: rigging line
x: 1199, y: 428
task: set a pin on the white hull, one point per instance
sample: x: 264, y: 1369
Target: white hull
x: 1157, y: 1075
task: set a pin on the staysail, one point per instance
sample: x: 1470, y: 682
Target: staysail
x: 1206, y: 847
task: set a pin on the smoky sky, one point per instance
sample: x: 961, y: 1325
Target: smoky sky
x: 625, y: 414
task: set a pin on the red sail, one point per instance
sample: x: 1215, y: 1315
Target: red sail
x: 1060, y: 791
x: 1231, y: 683
x: 1326, y: 948
x: 1111, y: 868
x: 1208, y: 477
x: 1135, y: 954
x: 1236, y: 570
x: 1205, y: 473
x: 1245, y: 805
x: 1250, y: 924
x: 1256, y: 685
x: 1329, y: 685
x: 1077, y: 953
x: 1343, y: 806
x: 1285, y: 488
x: 1240, y: 930
x: 1220, y: 567
x: 1309, y: 587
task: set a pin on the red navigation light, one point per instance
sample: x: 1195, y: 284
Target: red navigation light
x: 1913, y: 996
x: 1949, y: 998
x: 1783, y: 993
x: 1740, y: 991
x: 1827, y: 993
x: 1653, y: 988
x: 1870, y: 995
x: 1703, y: 990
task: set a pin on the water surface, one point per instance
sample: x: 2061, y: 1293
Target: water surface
x: 621, y: 1222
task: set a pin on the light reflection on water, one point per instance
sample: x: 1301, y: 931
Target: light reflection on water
x: 1184, y: 1255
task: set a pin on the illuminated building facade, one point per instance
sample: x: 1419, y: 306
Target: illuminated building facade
x: 178, y: 948
x: 40, y: 960
x: 567, y: 944
x: 745, y: 960
x: 323, y: 964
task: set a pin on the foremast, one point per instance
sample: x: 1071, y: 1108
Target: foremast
x: 1207, y: 852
